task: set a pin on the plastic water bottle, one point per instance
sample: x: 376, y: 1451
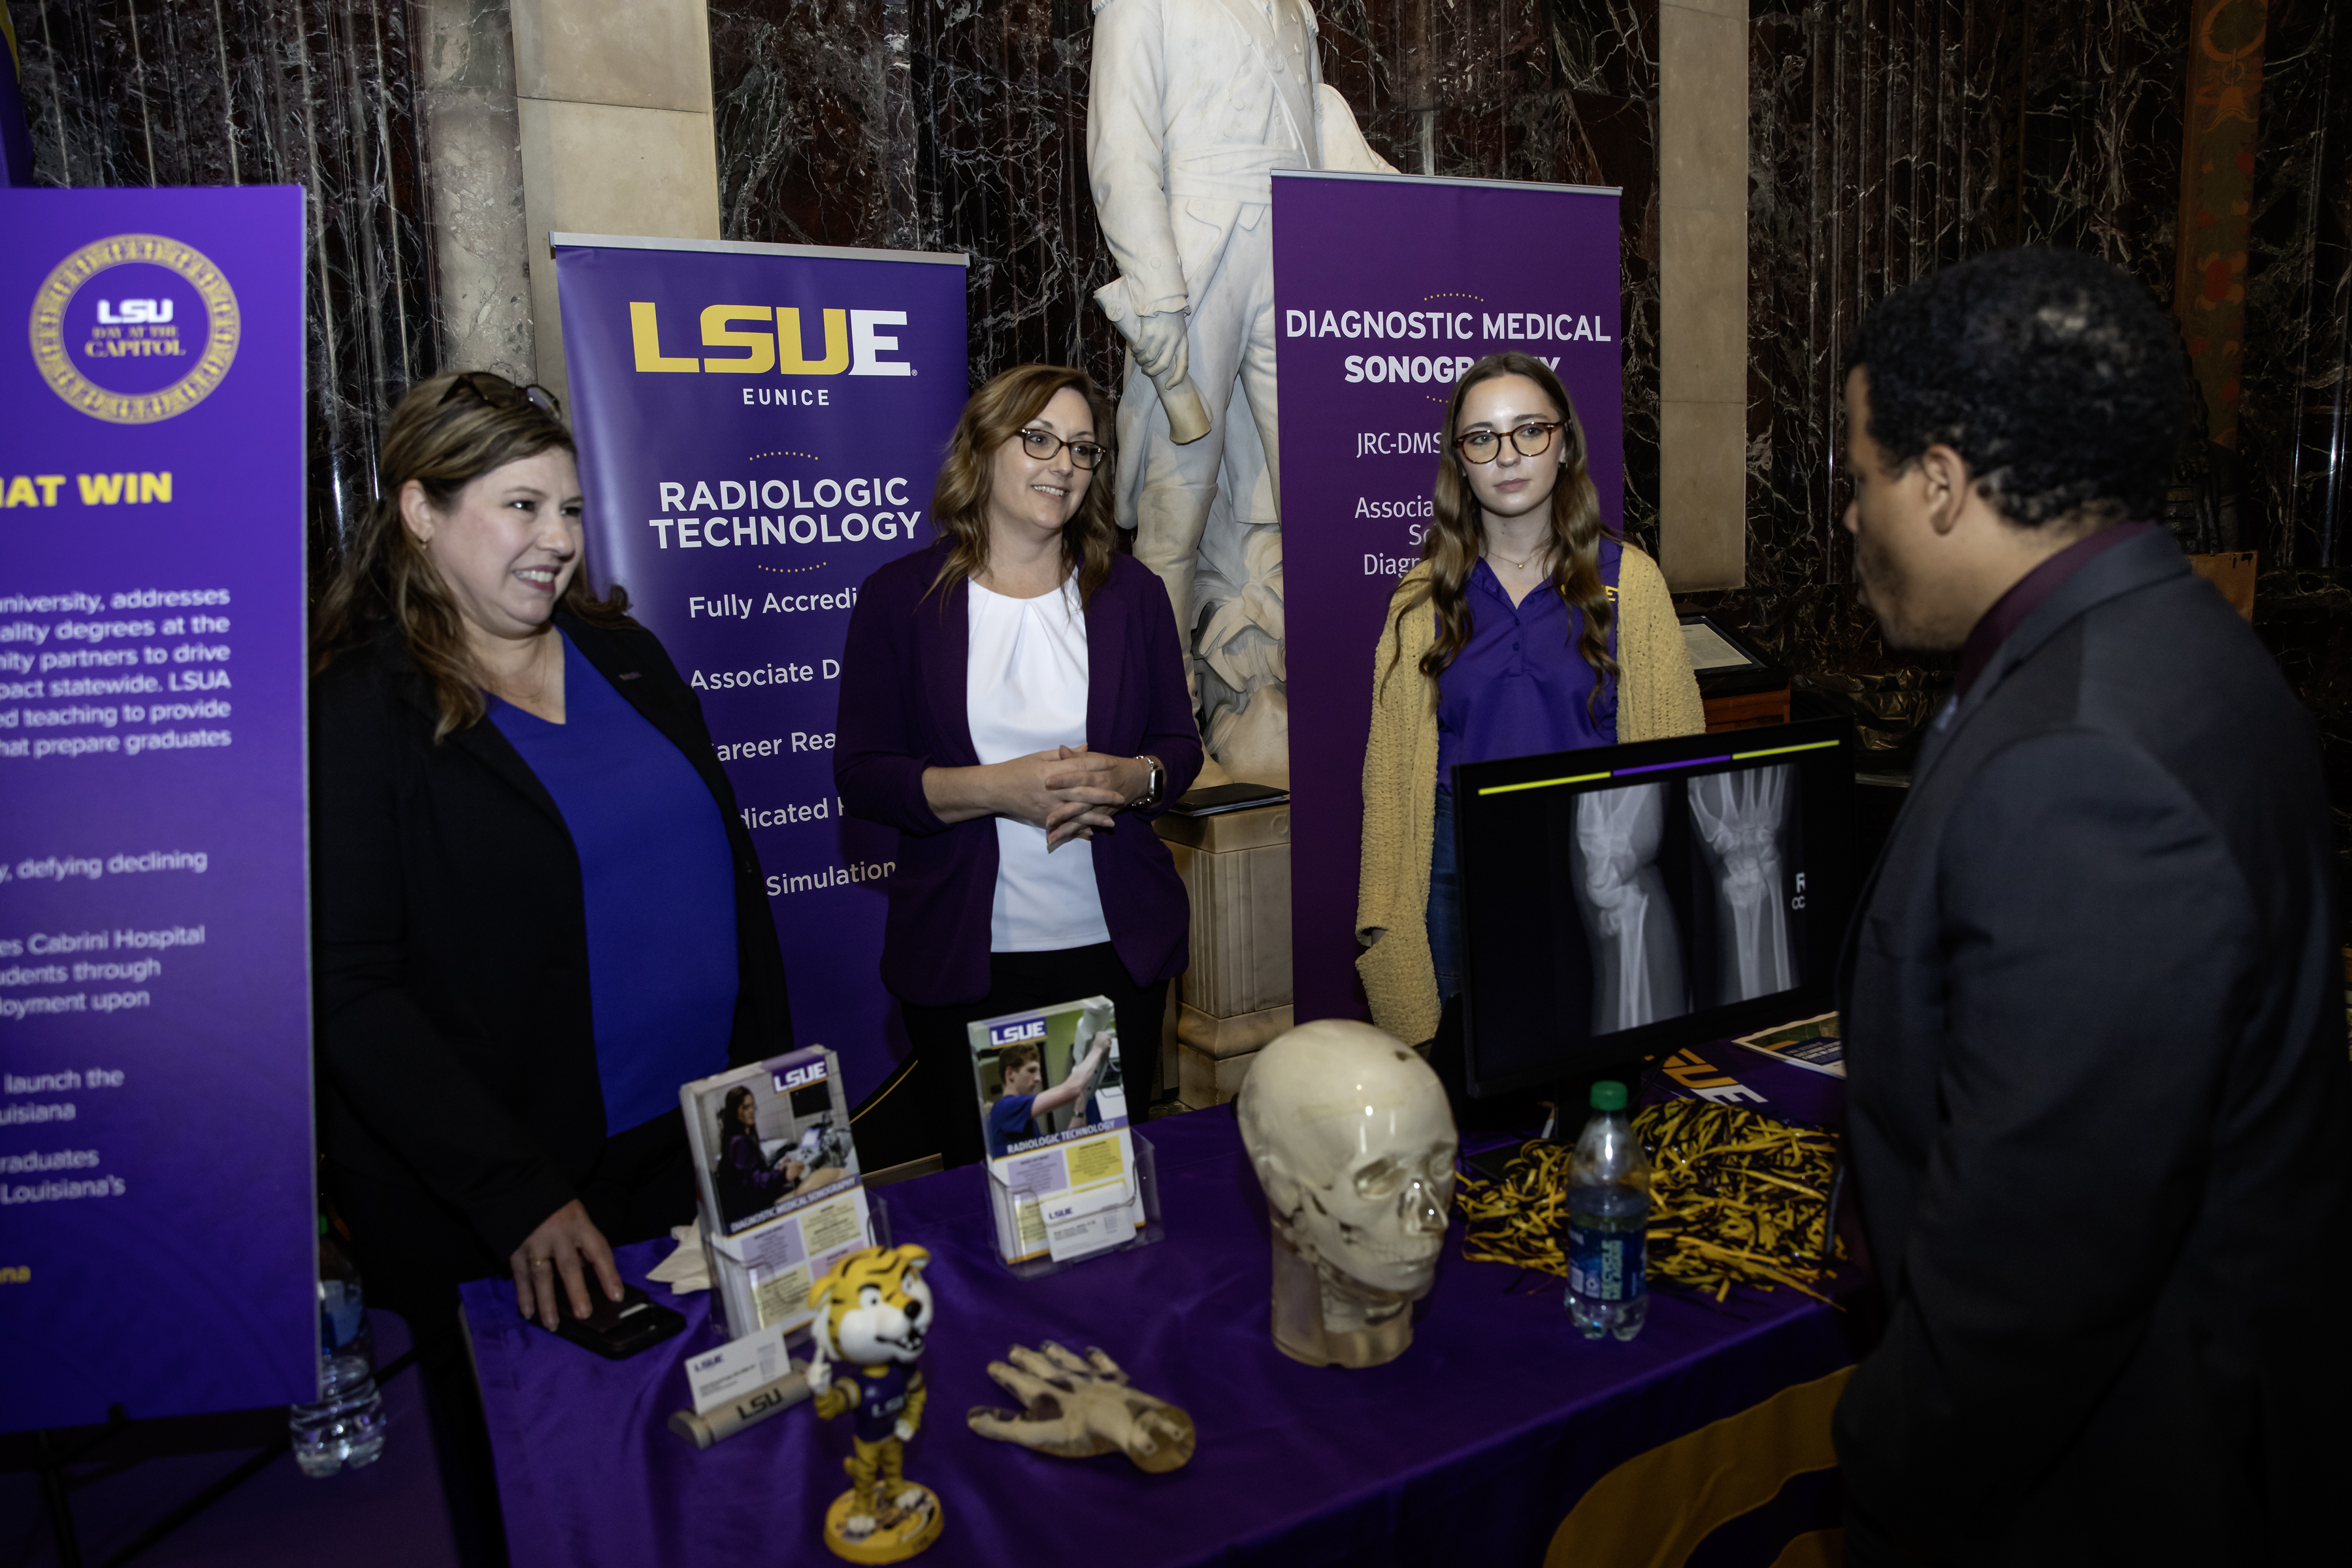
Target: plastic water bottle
x: 346, y: 1425
x: 1608, y: 1220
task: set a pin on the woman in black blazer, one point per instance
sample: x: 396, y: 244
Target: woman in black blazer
x: 509, y: 778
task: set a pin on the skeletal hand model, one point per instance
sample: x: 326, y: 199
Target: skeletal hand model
x: 1079, y: 1408
x: 1738, y: 818
x: 1637, y: 964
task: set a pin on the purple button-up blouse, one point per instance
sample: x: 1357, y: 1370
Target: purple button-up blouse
x: 1518, y: 688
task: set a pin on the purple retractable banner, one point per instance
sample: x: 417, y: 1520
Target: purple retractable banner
x: 158, y: 1249
x: 760, y: 427
x: 1387, y: 288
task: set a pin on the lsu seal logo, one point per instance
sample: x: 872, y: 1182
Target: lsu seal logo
x: 156, y: 351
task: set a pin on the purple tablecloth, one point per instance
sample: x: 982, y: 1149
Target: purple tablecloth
x: 1471, y: 1447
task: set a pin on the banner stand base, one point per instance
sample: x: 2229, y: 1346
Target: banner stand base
x: 58, y: 1449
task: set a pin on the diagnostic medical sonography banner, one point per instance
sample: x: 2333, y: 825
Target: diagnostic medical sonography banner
x: 157, y: 1181
x: 1387, y: 288
x: 759, y: 427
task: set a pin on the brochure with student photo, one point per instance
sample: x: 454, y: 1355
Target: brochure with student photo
x: 1052, y: 1111
x: 781, y: 1196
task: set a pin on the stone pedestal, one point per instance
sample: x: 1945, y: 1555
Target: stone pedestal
x: 1235, y: 997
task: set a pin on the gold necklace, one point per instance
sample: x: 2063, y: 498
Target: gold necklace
x: 1520, y: 565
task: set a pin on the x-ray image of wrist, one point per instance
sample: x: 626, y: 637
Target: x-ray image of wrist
x: 1740, y: 819
x: 1637, y: 965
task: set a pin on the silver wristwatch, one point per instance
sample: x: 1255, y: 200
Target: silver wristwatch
x: 1159, y: 789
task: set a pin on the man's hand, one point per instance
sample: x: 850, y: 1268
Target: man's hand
x: 1160, y: 351
x: 550, y: 1259
x: 1077, y: 1408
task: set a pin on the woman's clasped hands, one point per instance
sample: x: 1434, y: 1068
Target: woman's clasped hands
x: 1069, y: 791
x: 1092, y: 787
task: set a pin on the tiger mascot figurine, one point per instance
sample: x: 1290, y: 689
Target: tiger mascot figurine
x: 873, y: 1310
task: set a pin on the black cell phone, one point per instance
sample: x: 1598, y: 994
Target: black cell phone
x: 616, y: 1330
x: 1218, y: 799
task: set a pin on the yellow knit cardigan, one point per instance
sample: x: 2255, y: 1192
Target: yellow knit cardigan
x: 1657, y: 695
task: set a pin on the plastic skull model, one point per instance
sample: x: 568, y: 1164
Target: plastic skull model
x: 1351, y: 1138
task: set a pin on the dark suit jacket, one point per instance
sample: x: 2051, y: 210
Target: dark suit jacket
x: 454, y: 1046
x: 2098, y: 1116
x: 902, y: 710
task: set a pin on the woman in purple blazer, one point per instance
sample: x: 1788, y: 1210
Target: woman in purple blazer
x: 1012, y: 701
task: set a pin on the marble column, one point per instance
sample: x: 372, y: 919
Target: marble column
x: 1703, y: 292
x: 469, y: 125
x: 614, y: 112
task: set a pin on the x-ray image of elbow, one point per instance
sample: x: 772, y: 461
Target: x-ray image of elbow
x: 1637, y: 965
x: 1740, y: 821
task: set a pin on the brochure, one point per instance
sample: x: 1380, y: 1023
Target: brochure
x: 782, y: 1194
x: 1811, y: 1043
x: 1052, y: 1109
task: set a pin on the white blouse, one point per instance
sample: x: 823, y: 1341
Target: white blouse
x: 1025, y: 691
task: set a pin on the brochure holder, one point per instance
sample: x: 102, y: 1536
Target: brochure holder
x: 780, y: 1194
x: 1069, y: 1174
x: 1146, y: 1187
x: 727, y: 1397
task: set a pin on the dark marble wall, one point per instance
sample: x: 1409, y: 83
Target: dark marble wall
x: 2295, y: 430
x: 1890, y: 137
x: 962, y: 126
x: 308, y: 92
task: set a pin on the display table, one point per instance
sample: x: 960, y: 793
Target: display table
x: 1473, y: 1447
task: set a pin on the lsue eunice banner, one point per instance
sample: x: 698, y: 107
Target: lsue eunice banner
x: 157, y: 1248
x: 1388, y: 287
x: 760, y: 427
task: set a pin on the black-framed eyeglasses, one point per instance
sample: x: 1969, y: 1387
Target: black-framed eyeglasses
x: 1533, y: 439
x: 1042, y: 444
x: 500, y: 393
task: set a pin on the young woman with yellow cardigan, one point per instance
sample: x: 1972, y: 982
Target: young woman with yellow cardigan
x: 1525, y: 628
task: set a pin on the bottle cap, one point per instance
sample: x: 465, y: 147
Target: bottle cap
x: 1608, y: 1095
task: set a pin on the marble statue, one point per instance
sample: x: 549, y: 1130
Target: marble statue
x: 1195, y: 103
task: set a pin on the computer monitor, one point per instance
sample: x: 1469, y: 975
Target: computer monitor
x: 1631, y: 900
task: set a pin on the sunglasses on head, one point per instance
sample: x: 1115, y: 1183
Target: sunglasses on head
x: 500, y: 393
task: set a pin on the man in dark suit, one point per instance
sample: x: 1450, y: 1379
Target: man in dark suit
x: 2099, y: 1117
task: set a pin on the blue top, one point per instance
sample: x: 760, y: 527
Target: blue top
x: 1518, y: 687
x: 658, y: 884
x: 1009, y: 1123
